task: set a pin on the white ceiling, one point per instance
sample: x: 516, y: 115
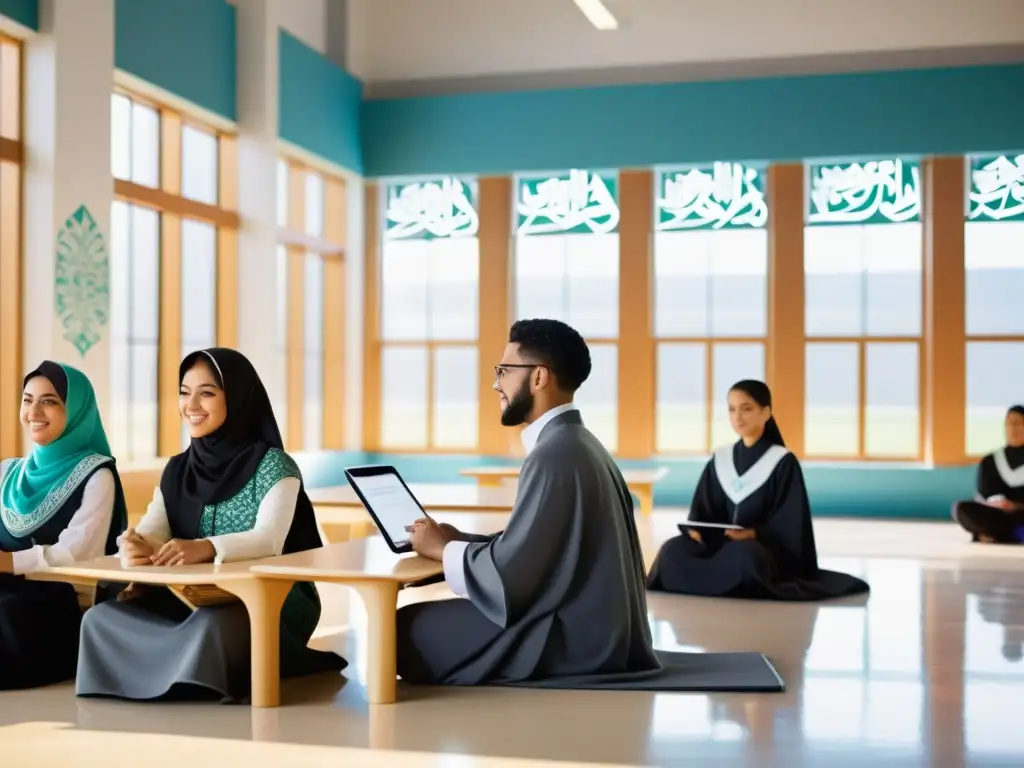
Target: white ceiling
x: 421, y: 46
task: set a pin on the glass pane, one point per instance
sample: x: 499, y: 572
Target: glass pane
x: 281, y: 403
x: 681, y: 415
x: 403, y: 397
x: 892, y: 262
x: 119, y: 422
x: 199, y: 159
x: 145, y: 146
x: 682, y: 289
x: 314, y: 204
x: 731, y: 363
x: 282, y: 193
x: 739, y: 282
x: 833, y: 270
x: 891, y: 400
x: 199, y: 286
x: 994, y: 259
x: 454, y: 284
x: 313, y: 354
x: 995, y: 370
x: 405, y: 271
x: 456, y: 397
x: 541, y: 285
x: 832, y: 397
x: 592, y: 270
x: 121, y: 136
x: 144, y: 330
x: 598, y: 398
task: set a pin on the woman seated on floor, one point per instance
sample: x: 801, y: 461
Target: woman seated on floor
x: 997, y: 513
x: 234, y: 494
x: 755, y: 484
x: 61, y: 504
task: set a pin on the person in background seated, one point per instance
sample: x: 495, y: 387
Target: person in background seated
x: 560, y: 591
x: 60, y: 505
x: 234, y: 494
x: 997, y: 514
x: 755, y: 484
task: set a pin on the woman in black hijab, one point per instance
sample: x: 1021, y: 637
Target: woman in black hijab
x: 233, y: 494
x: 756, y: 488
x: 996, y: 515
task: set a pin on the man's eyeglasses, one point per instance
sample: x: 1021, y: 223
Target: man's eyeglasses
x: 500, y: 371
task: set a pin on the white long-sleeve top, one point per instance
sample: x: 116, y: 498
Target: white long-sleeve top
x: 85, y: 537
x: 273, y: 521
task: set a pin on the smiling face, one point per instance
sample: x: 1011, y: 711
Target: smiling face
x: 42, y: 411
x: 747, y: 416
x: 201, y: 401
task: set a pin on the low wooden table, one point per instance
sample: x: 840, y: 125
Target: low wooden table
x: 450, y: 497
x: 366, y: 565
x: 370, y: 568
x: 641, y: 482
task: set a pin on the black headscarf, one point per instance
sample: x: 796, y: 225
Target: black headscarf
x: 56, y: 375
x: 215, y: 468
x: 758, y: 392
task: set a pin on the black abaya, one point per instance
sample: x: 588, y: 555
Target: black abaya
x: 999, y: 474
x: 760, y: 488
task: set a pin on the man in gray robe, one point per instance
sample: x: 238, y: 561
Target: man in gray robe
x: 559, y: 594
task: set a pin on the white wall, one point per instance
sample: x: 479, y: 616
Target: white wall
x: 305, y: 19
x: 401, y: 40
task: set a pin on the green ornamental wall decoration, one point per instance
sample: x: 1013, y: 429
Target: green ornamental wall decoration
x: 82, y: 280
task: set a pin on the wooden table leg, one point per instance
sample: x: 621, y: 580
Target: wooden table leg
x: 645, y: 495
x: 263, y: 599
x: 381, y: 601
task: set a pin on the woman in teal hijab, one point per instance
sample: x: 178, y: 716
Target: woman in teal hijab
x: 61, y: 504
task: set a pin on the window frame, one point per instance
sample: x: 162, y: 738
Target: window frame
x: 172, y: 207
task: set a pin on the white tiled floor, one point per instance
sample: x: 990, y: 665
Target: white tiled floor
x: 927, y: 671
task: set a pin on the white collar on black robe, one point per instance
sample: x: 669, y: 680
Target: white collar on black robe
x: 532, y: 433
x: 1012, y: 477
x: 738, y: 487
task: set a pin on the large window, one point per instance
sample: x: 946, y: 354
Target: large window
x: 994, y: 262
x: 567, y: 268
x: 11, y: 152
x: 429, y: 311
x: 863, y: 311
x: 310, y: 279
x: 172, y: 247
x: 710, y: 299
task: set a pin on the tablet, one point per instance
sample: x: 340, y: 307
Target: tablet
x: 698, y: 524
x: 389, y: 501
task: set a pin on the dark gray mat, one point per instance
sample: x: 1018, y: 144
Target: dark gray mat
x: 720, y: 672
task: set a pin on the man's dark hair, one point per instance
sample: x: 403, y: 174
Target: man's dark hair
x: 555, y: 345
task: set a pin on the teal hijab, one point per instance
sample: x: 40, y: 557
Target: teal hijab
x: 35, y: 488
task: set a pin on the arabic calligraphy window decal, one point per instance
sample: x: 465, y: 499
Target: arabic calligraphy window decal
x: 578, y: 202
x: 872, y: 192
x: 431, y: 209
x: 996, y: 188
x: 720, y: 196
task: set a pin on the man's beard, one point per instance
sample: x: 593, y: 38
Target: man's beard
x: 519, y: 407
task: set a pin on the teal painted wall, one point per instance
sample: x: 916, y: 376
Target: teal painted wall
x: 24, y: 12
x: 836, y: 490
x: 319, y: 105
x: 187, y: 47
x: 888, y: 113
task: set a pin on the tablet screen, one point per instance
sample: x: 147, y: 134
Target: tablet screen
x: 391, y: 502
x: 698, y: 524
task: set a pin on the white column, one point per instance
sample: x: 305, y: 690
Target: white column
x: 69, y: 76
x: 258, y: 296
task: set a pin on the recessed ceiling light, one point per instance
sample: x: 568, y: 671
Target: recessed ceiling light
x: 597, y: 13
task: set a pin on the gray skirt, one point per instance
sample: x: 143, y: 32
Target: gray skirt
x: 153, y: 646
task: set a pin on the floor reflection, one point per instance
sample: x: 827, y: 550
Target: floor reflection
x: 927, y: 671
